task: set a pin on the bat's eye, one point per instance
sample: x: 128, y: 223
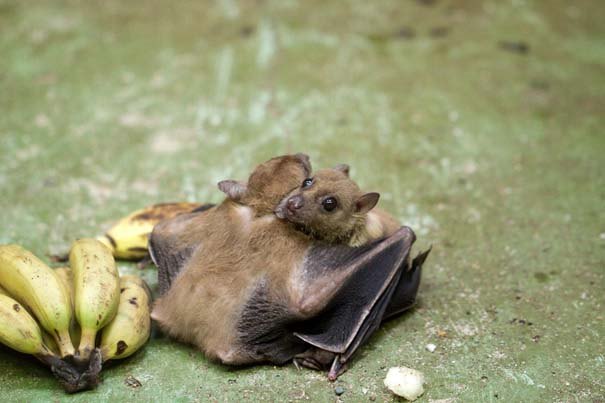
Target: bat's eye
x: 329, y: 204
x: 307, y: 182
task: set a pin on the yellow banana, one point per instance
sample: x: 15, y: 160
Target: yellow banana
x: 127, y: 239
x: 66, y: 277
x: 50, y: 343
x: 96, y: 289
x: 64, y: 274
x: 19, y: 331
x: 35, y: 285
x: 131, y: 327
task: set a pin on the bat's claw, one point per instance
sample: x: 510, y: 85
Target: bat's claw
x: 338, y: 368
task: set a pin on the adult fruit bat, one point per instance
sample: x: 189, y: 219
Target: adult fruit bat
x: 252, y: 288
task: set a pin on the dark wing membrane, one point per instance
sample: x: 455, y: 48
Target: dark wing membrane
x: 363, y: 281
x: 404, y: 296
x: 169, y: 249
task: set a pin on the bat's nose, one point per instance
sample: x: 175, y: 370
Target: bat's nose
x: 294, y: 203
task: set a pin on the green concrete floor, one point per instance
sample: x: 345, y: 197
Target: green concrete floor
x: 480, y: 122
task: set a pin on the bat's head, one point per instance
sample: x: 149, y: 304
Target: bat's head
x: 269, y: 183
x: 329, y: 205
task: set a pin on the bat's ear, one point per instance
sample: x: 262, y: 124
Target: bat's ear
x: 234, y: 190
x: 366, y: 202
x: 344, y: 168
x: 304, y: 158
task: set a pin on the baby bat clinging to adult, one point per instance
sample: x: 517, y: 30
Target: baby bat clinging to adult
x: 330, y: 207
x: 220, y: 226
x: 273, y: 294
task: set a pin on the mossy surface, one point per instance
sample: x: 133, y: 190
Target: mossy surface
x: 481, y: 124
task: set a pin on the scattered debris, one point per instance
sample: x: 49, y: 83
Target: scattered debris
x: 405, y: 33
x: 405, y: 382
x: 536, y: 338
x: 520, y: 322
x: 439, y: 32
x: 247, y: 30
x: 519, y: 47
x: 430, y: 347
x: 441, y: 334
x: 132, y: 382
x: 541, y: 277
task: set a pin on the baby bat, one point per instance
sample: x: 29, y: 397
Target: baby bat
x: 273, y: 294
x: 330, y: 207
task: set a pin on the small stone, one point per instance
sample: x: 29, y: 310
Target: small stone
x: 339, y: 390
x: 405, y: 382
x: 602, y: 235
x: 430, y: 347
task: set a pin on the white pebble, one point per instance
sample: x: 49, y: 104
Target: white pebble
x: 405, y: 382
x: 430, y: 347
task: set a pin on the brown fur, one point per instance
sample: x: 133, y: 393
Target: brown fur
x: 354, y: 221
x: 234, y: 238
x: 239, y: 247
x: 266, y: 186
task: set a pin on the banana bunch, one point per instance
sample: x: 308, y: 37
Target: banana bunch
x: 35, y: 285
x: 45, y: 312
x: 127, y: 239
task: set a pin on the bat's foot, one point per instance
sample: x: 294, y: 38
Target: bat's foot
x: 314, y: 358
x: 306, y: 363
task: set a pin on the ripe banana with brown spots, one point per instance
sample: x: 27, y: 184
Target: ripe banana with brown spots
x: 35, y: 285
x: 131, y: 327
x: 19, y: 331
x: 128, y: 238
x: 96, y: 290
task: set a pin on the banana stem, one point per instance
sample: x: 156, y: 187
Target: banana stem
x: 64, y: 342
x: 47, y: 358
x: 87, y: 343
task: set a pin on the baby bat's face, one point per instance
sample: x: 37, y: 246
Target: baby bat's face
x: 271, y: 181
x: 329, y: 205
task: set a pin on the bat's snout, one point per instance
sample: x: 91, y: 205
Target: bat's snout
x: 289, y: 207
x: 294, y: 203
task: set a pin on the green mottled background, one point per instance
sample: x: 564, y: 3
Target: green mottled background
x: 480, y: 122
